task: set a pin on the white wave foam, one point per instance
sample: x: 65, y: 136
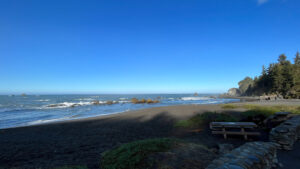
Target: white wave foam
x: 195, y: 98
x: 43, y: 100
x: 47, y: 121
x: 85, y: 99
x: 124, y: 101
x: 68, y: 104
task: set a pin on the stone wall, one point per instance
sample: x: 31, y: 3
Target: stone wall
x: 287, y: 133
x: 252, y: 155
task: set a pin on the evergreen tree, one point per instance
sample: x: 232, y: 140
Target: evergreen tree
x: 280, y: 78
x: 282, y: 59
x: 297, y: 59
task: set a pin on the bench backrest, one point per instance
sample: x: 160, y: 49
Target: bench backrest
x: 216, y: 125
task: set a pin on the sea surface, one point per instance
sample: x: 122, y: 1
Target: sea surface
x: 27, y: 110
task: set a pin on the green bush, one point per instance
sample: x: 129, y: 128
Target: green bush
x: 132, y: 155
x: 205, y: 118
x: 265, y: 112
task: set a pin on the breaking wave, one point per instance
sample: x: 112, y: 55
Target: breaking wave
x: 195, y: 98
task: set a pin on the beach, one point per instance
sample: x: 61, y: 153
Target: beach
x: 81, y: 141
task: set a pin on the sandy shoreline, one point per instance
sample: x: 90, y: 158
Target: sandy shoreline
x: 207, y: 107
x: 81, y: 141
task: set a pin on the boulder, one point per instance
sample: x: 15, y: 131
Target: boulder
x: 233, y: 92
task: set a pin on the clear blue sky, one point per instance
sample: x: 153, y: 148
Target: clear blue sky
x: 154, y: 46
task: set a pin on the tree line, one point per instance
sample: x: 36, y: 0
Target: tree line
x: 281, y: 78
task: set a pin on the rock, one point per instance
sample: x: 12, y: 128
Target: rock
x: 109, y: 102
x: 225, y: 148
x: 252, y: 155
x: 96, y: 102
x: 287, y: 133
x: 233, y: 92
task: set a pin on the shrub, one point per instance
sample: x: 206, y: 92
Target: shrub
x: 132, y: 155
x: 258, y: 112
x: 205, y: 118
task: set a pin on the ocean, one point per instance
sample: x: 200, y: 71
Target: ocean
x: 28, y: 110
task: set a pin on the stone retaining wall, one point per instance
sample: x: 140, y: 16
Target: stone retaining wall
x: 287, y: 133
x: 252, y: 155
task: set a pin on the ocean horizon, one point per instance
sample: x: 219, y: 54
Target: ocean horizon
x: 26, y: 110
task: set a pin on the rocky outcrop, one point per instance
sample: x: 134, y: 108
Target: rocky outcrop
x: 233, y: 92
x: 252, y: 155
x: 287, y: 133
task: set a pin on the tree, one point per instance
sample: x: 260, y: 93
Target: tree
x: 295, y: 90
x: 282, y: 78
x: 288, y: 78
x: 297, y: 59
x: 282, y: 59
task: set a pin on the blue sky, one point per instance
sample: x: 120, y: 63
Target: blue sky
x: 154, y: 46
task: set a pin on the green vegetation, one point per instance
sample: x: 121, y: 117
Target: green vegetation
x: 149, y: 101
x: 72, y: 167
x: 264, y: 112
x: 272, y: 109
x: 252, y: 112
x: 229, y: 106
x: 200, y: 120
x: 281, y: 78
x: 132, y: 155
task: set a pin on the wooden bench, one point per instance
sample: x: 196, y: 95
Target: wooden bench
x: 227, y: 128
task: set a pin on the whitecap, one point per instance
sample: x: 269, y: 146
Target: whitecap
x: 68, y: 104
x: 43, y: 100
x: 195, y: 98
x: 85, y: 99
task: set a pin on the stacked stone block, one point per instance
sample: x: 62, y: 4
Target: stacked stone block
x: 287, y: 133
x: 252, y: 155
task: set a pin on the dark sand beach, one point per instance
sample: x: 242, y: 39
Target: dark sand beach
x: 81, y: 142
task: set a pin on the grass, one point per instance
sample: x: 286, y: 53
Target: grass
x: 263, y: 110
x: 132, y: 155
x: 229, y: 106
x: 273, y: 109
x: 253, y: 112
x: 200, y: 120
